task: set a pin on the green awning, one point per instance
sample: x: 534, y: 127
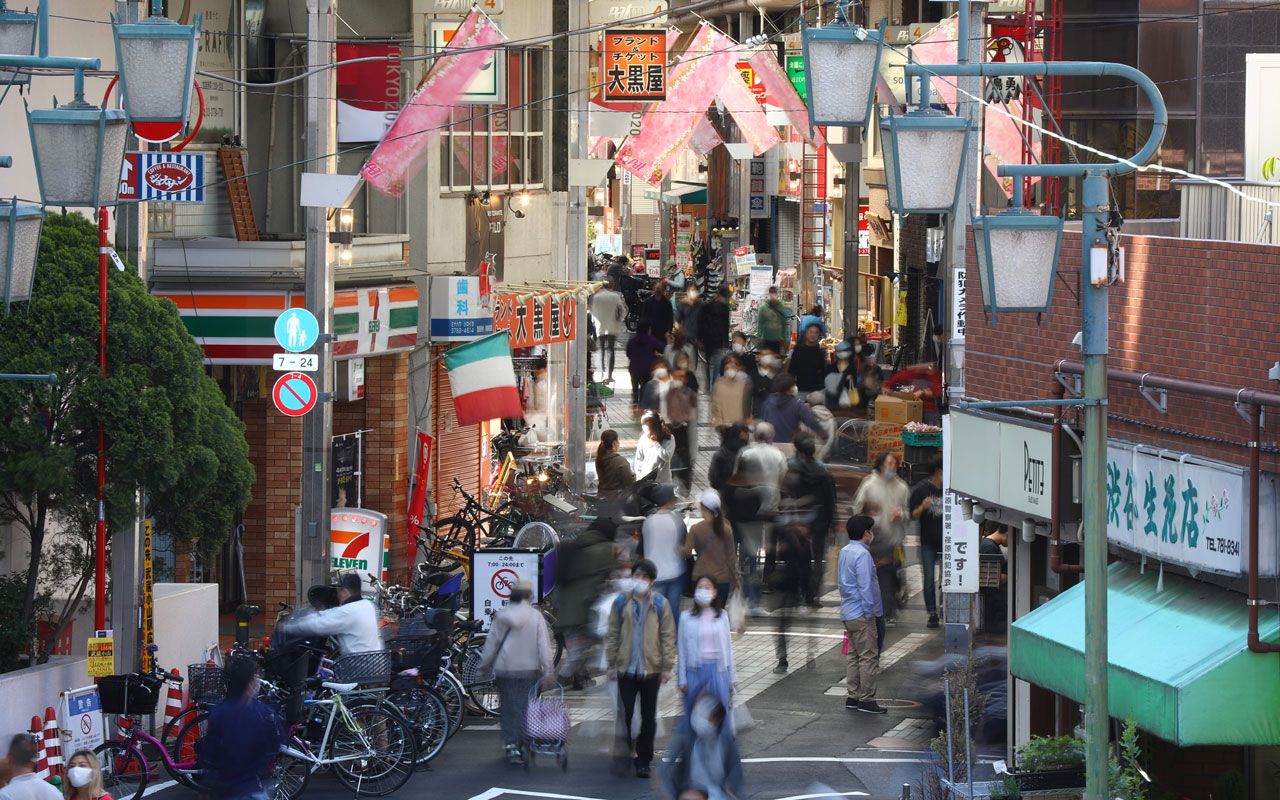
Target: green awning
x: 1179, y: 663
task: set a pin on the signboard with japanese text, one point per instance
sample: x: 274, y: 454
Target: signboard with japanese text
x: 101, y: 651
x: 864, y: 231
x: 684, y: 241
x: 460, y: 310
x: 744, y: 259
x: 368, y: 91
x: 796, y: 74
x: 421, y: 480
x: 167, y: 177
x: 653, y: 262
x: 538, y: 319
x: 752, y: 80
x: 601, y: 12
x: 959, y: 535
x: 495, y: 573
x: 490, y: 7
x: 634, y: 65
x: 80, y: 719
x: 1177, y: 507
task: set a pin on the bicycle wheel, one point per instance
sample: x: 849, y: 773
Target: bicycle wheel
x: 173, y: 726
x: 289, y: 777
x: 425, y: 711
x: 183, y: 747
x: 454, y: 531
x: 124, y: 771
x: 377, y: 752
x: 454, y: 697
x: 482, y: 692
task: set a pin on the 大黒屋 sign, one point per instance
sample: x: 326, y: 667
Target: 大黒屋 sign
x: 634, y: 65
x: 538, y: 319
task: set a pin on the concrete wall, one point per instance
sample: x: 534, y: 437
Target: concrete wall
x: 26, y: 692
x: 186, y: 616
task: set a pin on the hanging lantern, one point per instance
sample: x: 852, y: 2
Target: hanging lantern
x: 17, y: 38
x: 924, y: 159
x: 1017, y: 259
x: 841, y: 63
x: 19, y: 247
x: 78, y: 153
x: 157, y: 63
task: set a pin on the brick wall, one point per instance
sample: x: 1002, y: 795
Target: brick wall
x: 1198, y: 310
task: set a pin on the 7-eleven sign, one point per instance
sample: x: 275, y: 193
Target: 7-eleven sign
x: 356, y: 541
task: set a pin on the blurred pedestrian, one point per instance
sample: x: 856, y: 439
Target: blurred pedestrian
x: 703, y: 755
x: 772, y: 321
x: 658, y: 312
x: 816, y: 316
x: 640, y: 651
x: 739, y: 346
x: 786, y: 412
x: 731, y: 398
x: 688, y: 310
x: 842, y: 382
x: 923, y: 381
x: 653, y: 395
x: 704, y: 651
x: 713, y: 333
x: 613, y: 474
x: 519, y: 652
x: 712, y: 539
x: 809, y: 362
x: 860, y: 604
x: 887, y: 493
x: 662, y: 538
x: 642, y: 351
x: 787, y: 573
x: 584, y: 565
x: 654, y: 449
x: 684, y: 360
x: 767, y: 366
x: 680, y: 343
x: 926, y: 507
x: 724, y: 461
x: 809, y: 486
x: 608, y: 309
x: 761, y: 467
x: 24, y: 783
x: 682, y: 410
x: 242, y: 737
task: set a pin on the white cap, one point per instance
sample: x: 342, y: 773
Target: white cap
x: 711, y: 499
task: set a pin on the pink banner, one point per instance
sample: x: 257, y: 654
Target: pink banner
x: 738, y: 100
x: 668, y: 126
x: 399, y: 155
x: 705, y: 137
x: 779, y: 92
x: 1002, y: 140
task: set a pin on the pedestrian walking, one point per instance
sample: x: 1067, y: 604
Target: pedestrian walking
x: 609, y: 311
x: 809, y: 486
x: 926, y: 508
x: 761, y: 468
x: 658, y: 312
x: 640, y: 650
x: 731, y: 397
x: 585, y: 563
x: 704, y: 651
x: 739, y: 347
x: 653, y: 395
x: 712, y: 539
x: 809, y: 362
x: 684, y: 361
x: 643, y: 350
x: 654, y: 449
x: 688, y: 310
x: 785, y: 412
x: 724, y: 461
x: 816, y: 316
x: 713, y: 333
x: 703, y: 755
x: 859, y: 606
x: 518, y: 651
x: 787, y: 573
x: 242, y: 737
x: 24, y: 782
x: 885, y: 493
x: 613, y: 474
x: 680, y: 344
x: 772, y: 321
x: 662, y: 538
x: 84, y: 777
x: 682, y: 408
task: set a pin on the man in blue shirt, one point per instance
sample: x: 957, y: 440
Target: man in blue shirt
x: 243, y: 740
x: 859, y: 607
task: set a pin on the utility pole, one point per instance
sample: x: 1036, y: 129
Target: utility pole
x: 576, y: 261
x: 312, y: 540
x: 852, y: 204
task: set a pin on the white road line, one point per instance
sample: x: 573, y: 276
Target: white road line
x: 833, y: 760
x: 796, y: 633
x: 159, y: 787
x: 499, y: 792
x: 824, y: 794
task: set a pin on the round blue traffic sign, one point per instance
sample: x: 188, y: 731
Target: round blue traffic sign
x: 297, y: 330
x: 294, y: 394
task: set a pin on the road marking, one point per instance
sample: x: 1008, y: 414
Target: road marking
x: 824, y: 794
x: 796, y: 633
x: 499, y: 792
x: 159, y: 787
x: 832, y: 760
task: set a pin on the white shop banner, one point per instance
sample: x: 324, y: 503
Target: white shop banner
x: 495, y: 574
x: 1176, y: 507
x: 959, y: 535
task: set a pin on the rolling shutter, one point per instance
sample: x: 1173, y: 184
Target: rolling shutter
x: 458, y: 447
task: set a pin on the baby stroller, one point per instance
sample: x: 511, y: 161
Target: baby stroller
x: 546, y: 727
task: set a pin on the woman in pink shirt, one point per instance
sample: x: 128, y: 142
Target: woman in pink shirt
x: 704, y: 650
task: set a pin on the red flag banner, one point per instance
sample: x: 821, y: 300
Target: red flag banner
x: 779, y: 92
x: 421, y: 480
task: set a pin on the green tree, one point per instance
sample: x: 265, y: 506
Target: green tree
x: 169, y: 432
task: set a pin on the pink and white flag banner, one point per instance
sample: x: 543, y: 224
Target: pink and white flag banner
x: 705, y: 137
x: 667, y: 127
x: 400, y: 153
x: 779, y: 92
x: 754, y: 125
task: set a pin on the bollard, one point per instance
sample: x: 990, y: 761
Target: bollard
x: 52, y: 742
x: 42, y: 759
x: 173, y: 702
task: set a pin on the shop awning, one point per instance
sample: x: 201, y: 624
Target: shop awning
x: 680, y: 194
x: 1179, y: 665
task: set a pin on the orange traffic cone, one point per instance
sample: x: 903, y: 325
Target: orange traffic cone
x: 42, y: 759
x: 52, y: 742
x: 173, y: 703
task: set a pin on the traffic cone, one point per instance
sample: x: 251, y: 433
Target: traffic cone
x: 173, y: 703
x: 42, y: 759
x: 52, y: 742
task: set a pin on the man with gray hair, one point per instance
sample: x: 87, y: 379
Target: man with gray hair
x: 760, y: 470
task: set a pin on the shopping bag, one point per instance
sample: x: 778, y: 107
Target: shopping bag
x: 736, y: 608
x: 742, y: 719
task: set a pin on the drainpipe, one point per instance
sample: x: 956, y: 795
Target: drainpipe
x: 1255, y: 470
x: 1055, y: 504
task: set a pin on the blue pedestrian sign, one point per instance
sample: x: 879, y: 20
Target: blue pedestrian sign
x: 297, y: 330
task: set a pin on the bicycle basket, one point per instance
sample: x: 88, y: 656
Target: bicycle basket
x: 135, y: 694
x: 363, y: 668
x: 421, y: 652
x: 206, y: 684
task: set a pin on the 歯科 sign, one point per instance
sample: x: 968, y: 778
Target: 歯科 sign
x: 80, y: 719
x: 167, y: 177
x: 102, y: 654
x: 356, y: 540
x: 461, y: 308
x: 634, y: 65
x: 959, y: 535
x: 495, y: 573
x: 537, y: 319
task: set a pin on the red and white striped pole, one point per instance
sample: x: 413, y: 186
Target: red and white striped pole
x: 52, y: 743
x: 42, y: 758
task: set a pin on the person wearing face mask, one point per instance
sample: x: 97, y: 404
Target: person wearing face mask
x: 640, y: 651
x: 24, y: 783
x: 704, y: 649
x: 809, y: 362
x: 731, y: 398
x: 859, y: 606
x: 786, y: 413
x: 654, y: 449
x: 772, y: 321
x: 653, y: 397
x: 643, y: 351
x: 688, y: 311
x: 84, y: 777
x: 242, y: 737
x: 703, y: 755
x: 767, y: 367
x: 739, y: 346
x: 842, y: 382
x: 889, y: 494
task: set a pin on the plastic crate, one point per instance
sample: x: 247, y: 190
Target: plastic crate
x: 920, y: 455
x: 206, y: 684
x: 922, y: 438
x: 133, y: 694
x: 369, y: 668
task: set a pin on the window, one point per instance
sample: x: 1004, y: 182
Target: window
x: 501, y: 146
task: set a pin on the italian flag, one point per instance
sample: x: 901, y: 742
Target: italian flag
x: 483, y: 380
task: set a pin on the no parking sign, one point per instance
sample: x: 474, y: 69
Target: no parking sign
x: 496, y: 573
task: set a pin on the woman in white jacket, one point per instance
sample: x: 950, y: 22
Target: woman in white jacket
x: 704, y: 650
x: 654, y: 449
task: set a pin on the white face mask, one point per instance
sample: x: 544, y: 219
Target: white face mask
x: 703, y: 597
x: 642, y: 586
x: 731, y: 373
x: 888, y: 472
x: 795, y: 390
x: 79, y: 776
x: 677, y: 384
x: 738, y: 348
x: 660, y: 373
x: 624, y: 585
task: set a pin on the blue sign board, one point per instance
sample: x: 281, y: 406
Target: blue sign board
x: 297, y: 330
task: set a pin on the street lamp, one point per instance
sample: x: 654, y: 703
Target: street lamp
x: 78, y: 151
x: 17, y: 37
x: 19, y: 246
x: 1017, y: 258
x: 924, y: 159
x: 157, y: 63
x: 841, y: 62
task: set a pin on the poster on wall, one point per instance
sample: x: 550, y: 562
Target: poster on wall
x: 346, y: 472
x: 536, y: 319
x: 368, y: 92
x: 959, y: 535
x: 218, y: 49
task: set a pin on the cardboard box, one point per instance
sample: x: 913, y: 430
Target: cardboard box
x: 898, y: 410
x: 884, y: 437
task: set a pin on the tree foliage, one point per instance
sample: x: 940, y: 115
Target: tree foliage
x: 169, y: 432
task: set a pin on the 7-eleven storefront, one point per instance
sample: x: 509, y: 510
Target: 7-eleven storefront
x: 375, y: 327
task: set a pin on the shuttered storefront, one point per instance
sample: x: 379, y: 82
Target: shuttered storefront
x: 458, y: 447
